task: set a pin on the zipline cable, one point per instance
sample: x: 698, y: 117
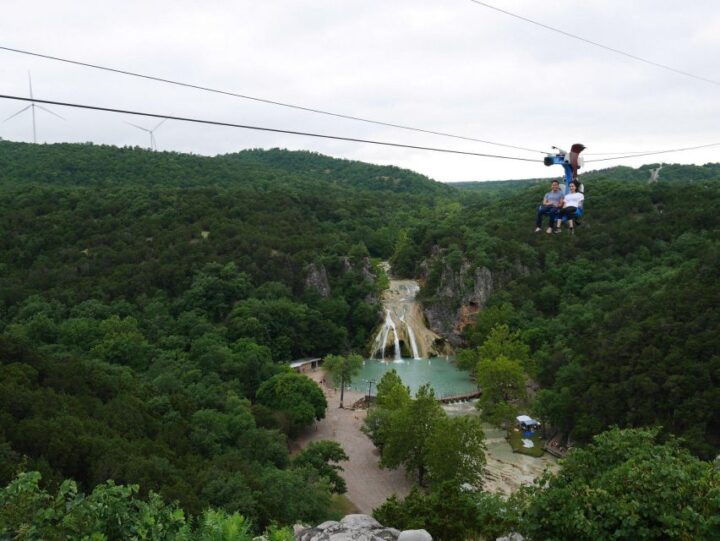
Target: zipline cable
x: 596, y: 44
x: 654, y: 153
x: 262, y: 100
x: 260, y: 128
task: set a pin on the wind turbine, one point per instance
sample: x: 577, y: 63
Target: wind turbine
x: 32, y: 108
x: 153, y: 143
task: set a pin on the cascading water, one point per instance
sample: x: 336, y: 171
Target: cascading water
x: 413, y: 343
x: 383, y: 335
x: 404, y: 318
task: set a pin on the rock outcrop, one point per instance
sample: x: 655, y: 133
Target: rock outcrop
x: 358, y: 528
x: 459, y: 294
x: 316, y: 279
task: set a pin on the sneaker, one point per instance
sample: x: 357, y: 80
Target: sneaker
x: 548, y: 230
x: 557, y: 230
x: 537, y: 230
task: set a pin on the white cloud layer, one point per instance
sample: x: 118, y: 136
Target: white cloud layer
x: 443, y: 65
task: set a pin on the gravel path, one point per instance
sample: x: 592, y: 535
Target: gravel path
x: 368, y: 485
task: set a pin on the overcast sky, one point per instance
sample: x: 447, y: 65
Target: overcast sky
x: 443, y: 65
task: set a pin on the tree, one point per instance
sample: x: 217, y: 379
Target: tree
x: 342, y: 370
x: 297, y: 396
x: 407, y: 441
x: 406, y: 256
x: 625, y: 485
x: 252, y: 364
x: 449, y: 512
x: 111, y: 512
x: 502, y: 382
x: 392, y: 394
x: 500, y: 341
x: 215, y: 289
x: 456, y: 451
x: 320, y: 455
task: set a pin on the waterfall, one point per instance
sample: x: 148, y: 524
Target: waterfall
x: 381, y: 340
x: 398, y: 354
x: 411, y: 335
x: 405, y: 319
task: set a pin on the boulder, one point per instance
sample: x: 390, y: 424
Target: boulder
x: 414, y: 535
x: 350, y: 528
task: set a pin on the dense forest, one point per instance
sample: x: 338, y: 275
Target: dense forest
x: 150, y: 302
x: 621, y: 318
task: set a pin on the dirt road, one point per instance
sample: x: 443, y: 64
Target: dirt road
x: 368, y: 486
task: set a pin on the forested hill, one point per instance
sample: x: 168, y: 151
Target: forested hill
x: 668, y: 173
x: 149, y: 300
x: 93, y: 165
x: 622, y: 319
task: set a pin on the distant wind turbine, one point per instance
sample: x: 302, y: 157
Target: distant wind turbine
x: 153, y: 142
x: 32, y: 108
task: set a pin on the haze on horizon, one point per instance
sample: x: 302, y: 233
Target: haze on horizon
x: 449, y: 66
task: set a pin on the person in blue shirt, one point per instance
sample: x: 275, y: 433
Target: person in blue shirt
x: 551, y: 205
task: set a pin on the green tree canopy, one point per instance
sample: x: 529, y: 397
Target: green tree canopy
x: 456, y: 451
x: 323, y: 457
x: 298, y: 397
x: 408, y: 438
x: 625, y: 485
x: 502, y: 382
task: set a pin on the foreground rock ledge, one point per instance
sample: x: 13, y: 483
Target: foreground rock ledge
x: 358, y: 528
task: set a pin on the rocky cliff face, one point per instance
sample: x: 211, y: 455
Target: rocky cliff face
x: 316, y: 276
x: 316, y: 279
x: 452, y: 301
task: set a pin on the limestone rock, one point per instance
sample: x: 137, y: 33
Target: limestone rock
x: 316, y: 278
x: 461, y: 293
x: 415, y: 535
x: 360, y: 522
x: 352, y: 528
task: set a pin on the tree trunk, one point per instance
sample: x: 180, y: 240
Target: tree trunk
x: 342, y: 392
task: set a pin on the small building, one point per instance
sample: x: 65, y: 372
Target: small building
x: 527, y: 424
x: 306, y: 365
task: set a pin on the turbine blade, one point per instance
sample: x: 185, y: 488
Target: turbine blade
x: 160, y: 124
x: 138, y: 127
x: 49, y: 111
x: 16, y: 114
x: 30, y: 84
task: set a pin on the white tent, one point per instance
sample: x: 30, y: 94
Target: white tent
x: 527, y: 420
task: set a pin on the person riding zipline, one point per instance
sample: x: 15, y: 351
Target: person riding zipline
x: 575, y: 160
x: 553, y: 201
x: 571, y: 162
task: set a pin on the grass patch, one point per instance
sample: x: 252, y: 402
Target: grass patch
x: 515, y: 438
x: 340, y: 506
